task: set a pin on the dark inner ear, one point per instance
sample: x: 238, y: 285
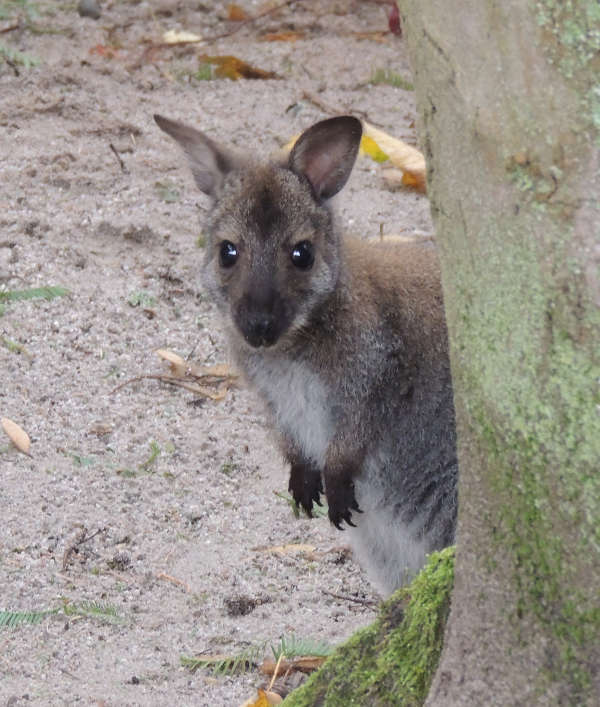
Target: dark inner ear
x: 325, y: 154
x: 209, y: 162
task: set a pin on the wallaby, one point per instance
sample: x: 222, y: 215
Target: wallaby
x: 345, y: 341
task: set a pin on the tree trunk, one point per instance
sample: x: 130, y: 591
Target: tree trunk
x: 509, y: 103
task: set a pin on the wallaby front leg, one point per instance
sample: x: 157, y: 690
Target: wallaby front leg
x: 306, y: 485
x: 340, y: 471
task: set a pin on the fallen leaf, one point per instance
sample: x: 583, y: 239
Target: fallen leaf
x: 261, y: 700
x: 282, y: 36
x: 230, y: 67
x: 17, y: 435
x: 368, y: 146
x: 404, y: 156
x: 394, y: 20
x: 302, y: 664
x: 291, y: 549
x: 177, y: 364
x: 106, y: 52
x: 235, y: 13
x: 373, y: 36
x: 174, y: 37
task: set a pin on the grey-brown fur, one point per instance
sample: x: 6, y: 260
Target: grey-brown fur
x: 349, y: 354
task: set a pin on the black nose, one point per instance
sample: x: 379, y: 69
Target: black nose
x: 260, y: 330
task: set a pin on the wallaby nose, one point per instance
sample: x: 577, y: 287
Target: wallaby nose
x: 260, y: 330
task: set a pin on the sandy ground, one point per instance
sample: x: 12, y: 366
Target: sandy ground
x: 175, y: 494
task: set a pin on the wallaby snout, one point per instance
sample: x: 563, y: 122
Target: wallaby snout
x: 260, y: 316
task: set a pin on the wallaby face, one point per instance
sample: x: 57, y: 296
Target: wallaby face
x: 344, y: 340
x: 272, y: 254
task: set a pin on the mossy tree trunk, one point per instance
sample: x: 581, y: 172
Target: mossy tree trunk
x: 509, y: 103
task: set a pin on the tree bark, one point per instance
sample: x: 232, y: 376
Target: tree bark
x: 509, y: 104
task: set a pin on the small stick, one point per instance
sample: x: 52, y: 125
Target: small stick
x: 118, y: 156
x: 174, y: 580
x: 364, y: 602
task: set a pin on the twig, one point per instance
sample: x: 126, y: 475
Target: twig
x: 174, y: 580
x: 10, y: 28
x: 137, y: 379
x: 79, y: 540
x: 118, y: 156
x: 364, y: 602
x: 333, y: 110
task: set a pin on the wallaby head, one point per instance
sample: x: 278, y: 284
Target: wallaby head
x: 272, y: 254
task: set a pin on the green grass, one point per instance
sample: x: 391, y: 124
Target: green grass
x: 391, y: 78
x: 47, y: 293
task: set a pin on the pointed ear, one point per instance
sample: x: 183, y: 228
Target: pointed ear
x: 209, y: 162
x: 325, y: 154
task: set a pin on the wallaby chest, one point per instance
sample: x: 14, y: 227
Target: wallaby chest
x: 299, y: 400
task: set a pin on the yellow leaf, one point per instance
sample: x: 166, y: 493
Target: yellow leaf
x: 368, y: 146
x: 405, y: 157
x: 17, y: 435
x: 261, y: 700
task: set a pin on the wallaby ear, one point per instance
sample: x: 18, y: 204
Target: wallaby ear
x: 325, y: 154
x: 209, y: 162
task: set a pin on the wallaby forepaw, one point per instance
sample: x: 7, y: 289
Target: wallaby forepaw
x: 342, y: 502
x: 306, y: 488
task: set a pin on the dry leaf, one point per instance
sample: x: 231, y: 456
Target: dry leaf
x: 282, y: 36
x: 374, y: 36
x: 406, y: 157
x: 302, y: 664
x: 230, y: 67
x: 291, y: 549
x: 235, y: 13
x: 17, y: 435
x: 174, y: 37
x: 177, y: 364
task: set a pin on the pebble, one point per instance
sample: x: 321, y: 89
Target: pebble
x: 89, y: 8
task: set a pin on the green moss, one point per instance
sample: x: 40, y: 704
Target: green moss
x: 574, y: 26
x: 529, y: 363
x: 391, y: 662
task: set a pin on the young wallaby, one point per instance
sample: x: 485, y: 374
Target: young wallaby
x: 345, y: 341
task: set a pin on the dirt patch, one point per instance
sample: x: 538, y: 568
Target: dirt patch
x: 144, y: 502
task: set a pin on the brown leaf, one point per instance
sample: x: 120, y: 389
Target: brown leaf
x: 302, y: 664
x: 17, y: 435
x: 282, y: 36
x: 230, y: 67
x: 290, y: 549
x: 235, y: 13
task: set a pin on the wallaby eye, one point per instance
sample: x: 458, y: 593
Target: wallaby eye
x: 228, y: 254
x: 302, y: 255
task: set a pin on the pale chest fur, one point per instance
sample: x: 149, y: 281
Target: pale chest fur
x: 299, y: 400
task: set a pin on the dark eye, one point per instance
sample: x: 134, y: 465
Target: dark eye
x: 228, y: 254
x: 302, y: 255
